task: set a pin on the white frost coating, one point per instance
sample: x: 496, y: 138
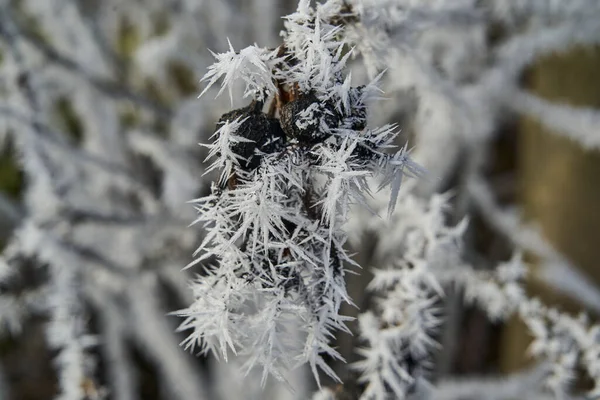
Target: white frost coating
x: 91, y: 99
x: 306, y: 117
x: 582, y: 125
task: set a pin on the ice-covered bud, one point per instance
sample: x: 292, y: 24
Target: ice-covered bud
x: 309, y: 119
x: 264, y: 132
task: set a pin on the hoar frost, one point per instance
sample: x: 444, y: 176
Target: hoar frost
x: 273, y: 255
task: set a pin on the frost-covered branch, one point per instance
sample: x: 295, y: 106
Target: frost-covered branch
x: 275, y: 216
x: 582, y: 125
x: 399, y: 333
x: 99, y: 116
x: 554, y: 269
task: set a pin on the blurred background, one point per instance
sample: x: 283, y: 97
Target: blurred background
x: 99, y: 129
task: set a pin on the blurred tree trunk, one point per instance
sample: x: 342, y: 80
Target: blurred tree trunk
x: 559, y: 182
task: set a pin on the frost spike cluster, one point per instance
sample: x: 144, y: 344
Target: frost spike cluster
x: 273, y: 256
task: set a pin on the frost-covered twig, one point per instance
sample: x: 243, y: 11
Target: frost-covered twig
x: 554, y: 269
x: 112, y: 344
x: 275, y: 217
x: 154, y: 335
x: 582, y: 125
x: 564, y: 341
x: 399, y: 333
x: 523, y: 384
x: 99, y: 100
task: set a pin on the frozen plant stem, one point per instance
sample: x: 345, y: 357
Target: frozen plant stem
x: 274, y: 220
